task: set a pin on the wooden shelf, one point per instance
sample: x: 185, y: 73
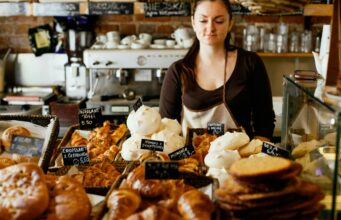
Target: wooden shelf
x: 285, y: 54
x: 75, y: 8
x: 318, y: 10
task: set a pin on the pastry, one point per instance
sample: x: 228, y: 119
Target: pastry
x: 131, y: 148
x: 118, y: 133
x: 7, y: 135
x: 172, y: 141
x: 23, y: 191
x: 304, y: 148
x: 221, y: 159
x: 154, y: 213
x: 77, y: 140
x: 171, y: 125
x: 259, y: 167
x: 254, y: 147
x: 123, y: 203
x: 18, y: 158
x: 149, y: 188
x: 145, y: 121
x: 6, y: 162
x: 68, y: 199
x: 230, y: 141
x: 195, y: 205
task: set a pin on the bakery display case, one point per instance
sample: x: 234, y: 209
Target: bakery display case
x: 311, y: 128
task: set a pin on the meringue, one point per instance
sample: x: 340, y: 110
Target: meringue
x: 172, y: 140
x: 171, y: 125
x: 145, y: 121
x: 131, y: 148
x: 221, y: 159
x: 230, y: 141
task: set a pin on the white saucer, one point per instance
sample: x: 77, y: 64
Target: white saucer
x: 123, y: 46
x: 157, y: 46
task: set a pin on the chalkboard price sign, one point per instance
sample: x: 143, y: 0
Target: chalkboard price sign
x: 215, y: 128
x: 137, y: 104
x: 153, y: 145
x: 27, y: 145
x: 161, y: 9
x: 90, y: 118
x: 56, y: 9
x: 161, y: 170
x: 75, y: 156
x: 182, y: 153
x: 113, y: 8
x: 274, y: 150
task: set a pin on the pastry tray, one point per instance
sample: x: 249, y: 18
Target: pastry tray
x: 192, y: 179
x: 50, y: 124
x: 123, y: 167
x: 66, y: 139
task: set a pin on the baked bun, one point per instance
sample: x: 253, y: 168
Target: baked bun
x: 194, y: 204
x: 150, y: 188
x: 68, y: 199
x: 154, y: 213
x: 122, y: 203
x: 7, y: 135
x: 254, y: 147
x: 18, y: 158
x: 6, y: 162
x: 145, y: 121
x: 23, y: 191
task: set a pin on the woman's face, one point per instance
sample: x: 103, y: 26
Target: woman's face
x: 211, y: 22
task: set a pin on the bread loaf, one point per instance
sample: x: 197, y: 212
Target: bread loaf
x: 23, y: 191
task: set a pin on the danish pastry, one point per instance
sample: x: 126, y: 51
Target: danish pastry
x: 123, y: 203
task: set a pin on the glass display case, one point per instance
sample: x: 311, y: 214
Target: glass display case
x: 311, y: 129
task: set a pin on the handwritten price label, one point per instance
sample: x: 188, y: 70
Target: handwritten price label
x: 90, y: 118
x: 274, y: 150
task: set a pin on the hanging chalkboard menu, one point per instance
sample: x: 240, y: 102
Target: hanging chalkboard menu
x: 161, y: 9
x: 56, y: 9
x: 27, y: 145
x: 14, y: 8
x: 111, y: 8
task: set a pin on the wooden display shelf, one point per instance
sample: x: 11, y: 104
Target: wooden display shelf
x: 318, y: 10
x: 262, y: 54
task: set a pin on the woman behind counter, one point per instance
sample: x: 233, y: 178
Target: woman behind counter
x: 217, y: 82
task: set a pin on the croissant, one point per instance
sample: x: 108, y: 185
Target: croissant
x: 195, y: 205
x: 78, y: 140
x: 122, y: 203
x: 147, y: 188
x: 154, y: 213
x: 118, y: 134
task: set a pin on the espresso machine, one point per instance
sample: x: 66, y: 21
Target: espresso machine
x: 118, y: 77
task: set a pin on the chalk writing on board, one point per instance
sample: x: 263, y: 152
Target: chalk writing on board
x: 159, y: 9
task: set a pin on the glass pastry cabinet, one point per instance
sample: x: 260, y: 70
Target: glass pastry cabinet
x: 311, y: 127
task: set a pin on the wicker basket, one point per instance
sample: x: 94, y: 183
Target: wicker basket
x: 50, y: 121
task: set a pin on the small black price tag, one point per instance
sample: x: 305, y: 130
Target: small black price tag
x: 215, y: 128
x: 161, y: 170
x: 274, y: 150
x: 26, y: 145
x: 182, y: 153
x: 137, y: 104
x: 153, y: 145
x: 75, y: 156
x: 90, y: 118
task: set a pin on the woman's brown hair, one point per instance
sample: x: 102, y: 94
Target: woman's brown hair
x: 187, y: 65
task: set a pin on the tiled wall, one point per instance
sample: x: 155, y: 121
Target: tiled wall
x: 13, y: 30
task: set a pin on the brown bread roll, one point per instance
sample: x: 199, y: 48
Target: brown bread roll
x: 195, y: 205
x: 68, y: 199
x: 123, y: 203
x: 7, y: 135
x: 23, y: 191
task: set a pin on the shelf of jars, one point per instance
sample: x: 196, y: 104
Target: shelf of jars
x: 51, y: 8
